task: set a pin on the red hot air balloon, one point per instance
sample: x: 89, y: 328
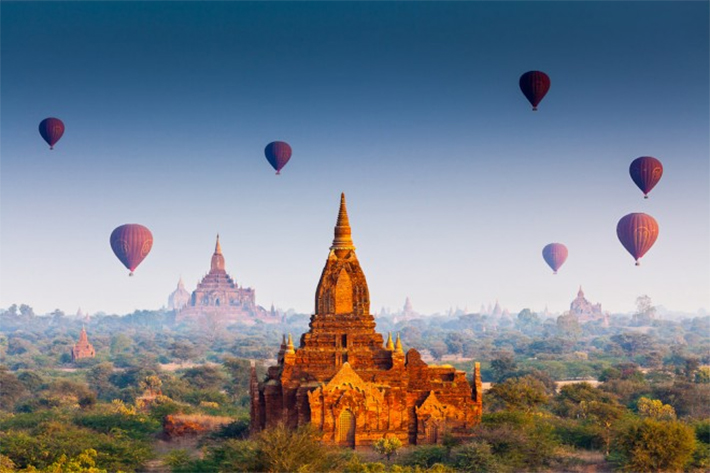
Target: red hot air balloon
x: 637, y: 232
x: 534, y: 85
x: 646, y: 171
x: 278, y: 153
x: 51, y: 130
x: 555, y: 255
x: 131, y: 243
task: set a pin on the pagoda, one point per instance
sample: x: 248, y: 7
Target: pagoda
x: 585, y: 311
x: 82, y: 349
x: 179, y: 298
x: 350, y: 384
x: 219, y: 298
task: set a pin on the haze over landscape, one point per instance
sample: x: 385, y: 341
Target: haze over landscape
x: 412, y: 109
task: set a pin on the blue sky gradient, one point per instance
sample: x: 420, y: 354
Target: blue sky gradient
x: 410, y: 108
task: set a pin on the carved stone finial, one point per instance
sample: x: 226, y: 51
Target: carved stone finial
x: 389, y: 346
x: 398, y: 345
x: 343, y: 242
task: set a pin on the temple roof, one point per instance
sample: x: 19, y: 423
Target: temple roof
x: 343, y: 238
x: 217, y: 263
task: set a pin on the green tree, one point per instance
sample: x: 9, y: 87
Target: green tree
x: 11, y: 389
x: 523, y: 394
x: 568, y: 325
x: 503, y: 366
x: 151, y: 384
x: 284, y: 449
x: 387, y: 446
x: 655, y: 446
x: 655, y: 409
x: 645, y: 311
x: 183, y: 350
x: 208, y: 377
x: 476, y: 456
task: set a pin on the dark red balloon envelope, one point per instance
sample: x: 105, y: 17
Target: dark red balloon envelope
x: 278, y: 153
x: 131, y: 243
x: 637, y: 232
x: 534, y: 85
x: 51, y: 130
x: 555, y: 254
x: 646, y: 171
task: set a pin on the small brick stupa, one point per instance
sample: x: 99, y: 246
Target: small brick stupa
x: 351, y: 385
x: 82, y: 349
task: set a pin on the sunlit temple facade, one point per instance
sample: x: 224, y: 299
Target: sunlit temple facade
x: 345, y: 380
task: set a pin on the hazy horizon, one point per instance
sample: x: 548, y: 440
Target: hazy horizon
x: 411, y: 108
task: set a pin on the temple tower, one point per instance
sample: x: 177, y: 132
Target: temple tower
x: 82, y: 349
x: 350, y: 385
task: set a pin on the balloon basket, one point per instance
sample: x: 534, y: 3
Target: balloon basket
x: 130, y: 275
x: 534, y: 109
x: 645, y: 197
x: 637, y: 263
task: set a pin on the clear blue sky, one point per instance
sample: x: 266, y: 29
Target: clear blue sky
x: 412, y: 109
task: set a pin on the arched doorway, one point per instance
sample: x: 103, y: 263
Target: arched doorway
x: 346, y: 428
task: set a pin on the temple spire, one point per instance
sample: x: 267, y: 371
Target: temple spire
x: 343, y: 240
x: 217, y: 258
x: 289, y: 347
x: 390, y: 345
x: 398, y: 345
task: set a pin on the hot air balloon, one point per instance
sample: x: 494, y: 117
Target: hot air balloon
x: 637, y: 232
x: 278, y: 153
x: 51, y: 130
x: 646, y: 171
x: 131, y: 243
x: 534, y: 85
x: 555, y: 255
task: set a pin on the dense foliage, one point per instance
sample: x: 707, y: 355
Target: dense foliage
x: 645, y: 407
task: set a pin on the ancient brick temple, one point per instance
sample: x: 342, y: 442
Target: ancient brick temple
x: 82, y: 349
x: 585, y: 311
x: 348, y: 383
x: 218, y: 298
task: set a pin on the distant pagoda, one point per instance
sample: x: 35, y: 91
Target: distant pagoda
x: 585, y: 311
x: 179, y: 298
x: 82, y: 349
x: 219, y: 298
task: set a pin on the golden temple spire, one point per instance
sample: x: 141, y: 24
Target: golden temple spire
x: 398, y: 345
x: 217, y: 258
x: 289, y: 347
x: 343, y: 239
x: 389, y: 346
x: 218, y: 247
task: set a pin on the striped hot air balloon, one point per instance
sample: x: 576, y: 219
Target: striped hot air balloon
x: 534, y: 85
x: 131, y: 243
x: 51, y: 130
x: 637, y: 232
x: 278, y: 153
x: 646, y: 171
x: 555, y: 254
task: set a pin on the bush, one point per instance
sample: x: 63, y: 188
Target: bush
x: 476, y: 456
x: 653, y: 445
x: 427, y: 455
